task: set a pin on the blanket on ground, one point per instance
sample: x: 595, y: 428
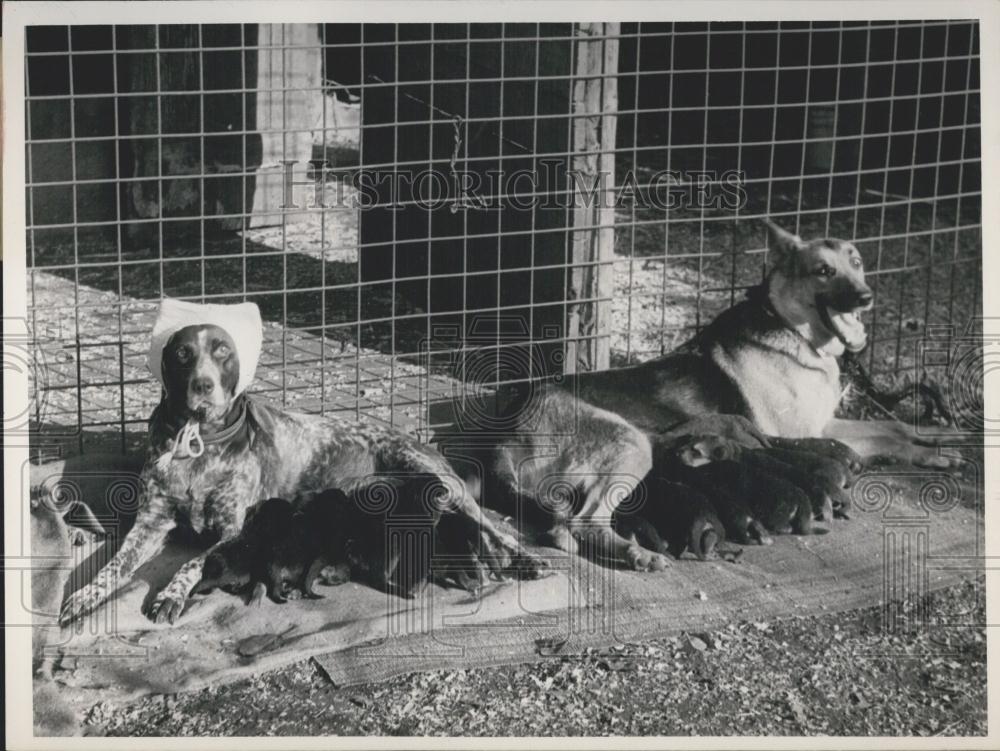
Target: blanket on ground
x: 911, y: 532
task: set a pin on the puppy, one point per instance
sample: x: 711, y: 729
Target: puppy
x: 832, y: 476
x: 398, y: 537
x: 819, y: 475
x: 828, y: 498
x: 281, y: 547
x: 675, y: 518
x: 828, y: 447
x: 694, y: 463
x: 336, y: 536
x: 782, y: 507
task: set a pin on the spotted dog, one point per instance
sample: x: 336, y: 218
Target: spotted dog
x: 214, y: 453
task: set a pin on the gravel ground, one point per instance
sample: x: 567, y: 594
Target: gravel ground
x: 836, y: 674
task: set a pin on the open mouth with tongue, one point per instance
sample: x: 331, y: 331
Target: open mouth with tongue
x: 846, y: 326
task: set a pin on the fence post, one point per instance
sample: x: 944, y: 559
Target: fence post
x: 595, y: 119
x: 289, y: 102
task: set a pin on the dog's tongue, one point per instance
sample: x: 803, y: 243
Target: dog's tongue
x: 849, y: 330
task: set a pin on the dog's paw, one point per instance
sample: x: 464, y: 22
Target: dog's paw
x: 528, y: 565
x: 758, y: 533
x: 935, y: 459
x: 257, y: 594
x: 640, y: 559
x: 166, y: 608
x: 463, y: 571
x: 77, y: 536
x: 899, y: 443
x: 505, y: 556
x: 824, y: 512
x: 925, y: 457
x: 334, y: 575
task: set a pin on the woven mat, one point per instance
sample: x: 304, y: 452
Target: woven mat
x: 911, y: 532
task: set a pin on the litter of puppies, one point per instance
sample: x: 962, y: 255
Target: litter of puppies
x: 706, y: 488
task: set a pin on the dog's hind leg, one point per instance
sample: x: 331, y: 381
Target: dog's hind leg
x: 613, y: 482
x: 642, y: 530
x: 602, y: 467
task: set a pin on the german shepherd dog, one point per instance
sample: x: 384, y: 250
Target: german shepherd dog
x: 770, y: 360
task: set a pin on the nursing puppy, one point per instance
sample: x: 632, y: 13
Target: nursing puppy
x: 334, y: 536
x: 675, y: 519
x: 280, y: 548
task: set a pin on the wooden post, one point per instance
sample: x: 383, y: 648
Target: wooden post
x: 595, y: 108
x: 289, y: 96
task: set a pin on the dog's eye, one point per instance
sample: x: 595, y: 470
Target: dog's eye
x: 183, y: 354
x: 826, y: 271
x: 855, y: 262
x: 222, y: 351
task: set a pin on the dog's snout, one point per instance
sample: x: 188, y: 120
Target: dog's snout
x: 865, y: 298
x: 202, y: 386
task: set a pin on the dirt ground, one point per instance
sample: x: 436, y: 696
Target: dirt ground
x: 836, y: 674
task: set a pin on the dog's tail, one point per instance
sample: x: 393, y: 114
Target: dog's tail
x: 704, y: 539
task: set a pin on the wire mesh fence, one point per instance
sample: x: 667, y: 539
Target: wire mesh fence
x: 408, y: 204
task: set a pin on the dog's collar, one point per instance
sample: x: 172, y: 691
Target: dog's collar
x: 238, y: 427
x: 190, y: 443
x: 760, y: 295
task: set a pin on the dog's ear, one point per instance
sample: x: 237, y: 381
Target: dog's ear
x: 696, y: 452
x: 782, y: 244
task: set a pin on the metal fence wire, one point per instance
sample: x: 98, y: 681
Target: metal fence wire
x: 407, y: 203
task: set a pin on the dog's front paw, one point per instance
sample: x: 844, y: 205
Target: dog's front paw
x: 928, y: 458
x: 78, y: 537
x: 640, y: 559
x: 257, y: 594
x: 463, y: 570
x: 899, y: 442
x: 757, y: 533
x: 166, y: 608
x: 916, y: 454
x: 505, y: 555
x: 528, y: 565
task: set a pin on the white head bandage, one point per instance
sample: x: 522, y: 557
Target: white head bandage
x: 241, y: 321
